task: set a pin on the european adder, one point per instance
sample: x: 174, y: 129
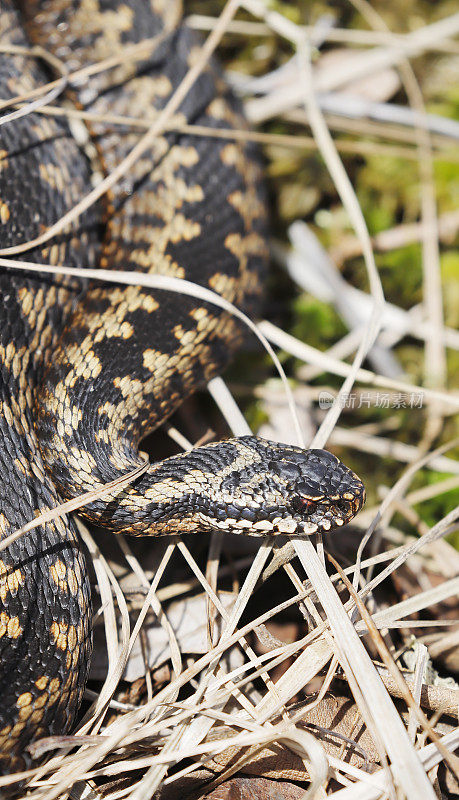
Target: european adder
x: 87, y: 371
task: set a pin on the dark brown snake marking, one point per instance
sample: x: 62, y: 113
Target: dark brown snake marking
x: 86, y: 372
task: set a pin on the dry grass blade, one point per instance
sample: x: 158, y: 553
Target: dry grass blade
x: 51, y: 94
x: 360, y: 670
x: 390, y: 664
x: 421, y: 664
x: 311, y: 355
x: 228, y: 407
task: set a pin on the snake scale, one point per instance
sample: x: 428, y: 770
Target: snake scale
x: 88, y: 369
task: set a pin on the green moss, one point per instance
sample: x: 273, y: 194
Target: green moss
x: 315, y: 322
x: 435, y: 508
x: 401, y: 275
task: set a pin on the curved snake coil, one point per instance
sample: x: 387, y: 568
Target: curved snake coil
x: 87, y: 371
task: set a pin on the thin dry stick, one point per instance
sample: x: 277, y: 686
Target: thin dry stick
x: 319, y: 34
x: 421, y: 663
x: 297, y: 142
x: 361, y: 127
x: 395, y: 237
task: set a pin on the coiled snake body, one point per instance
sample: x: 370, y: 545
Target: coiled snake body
x: 87, y: 371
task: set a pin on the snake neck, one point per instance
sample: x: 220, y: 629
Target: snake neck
x: 192, y: 207
x: 91, y: 412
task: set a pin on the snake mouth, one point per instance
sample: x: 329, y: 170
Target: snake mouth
x: 321, y: 513
x: 308, y: 515
x: 315, y: 513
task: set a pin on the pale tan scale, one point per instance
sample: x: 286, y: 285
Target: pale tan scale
x: 72, y: 638
x: 16, y: 730
x: 4, y: 212
x: 20, y: 363
x: 58, y: 573
x: 72, y: 582
x: 52, y: 175
x: 10, y: 580
x: 27, y: 300
x: 58, y: 633
x: 41, y: 700
x: 5, y: 526
x: 128, y: 386
x: 6, y: 411
x: 24, y: 699
x: 54, y: 685
x: 22, y: 466
x: 81, y: 459
x: 10, y: 626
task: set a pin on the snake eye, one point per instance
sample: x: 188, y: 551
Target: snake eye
x: 303, y: 505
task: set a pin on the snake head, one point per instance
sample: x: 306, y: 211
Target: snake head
x: 323, y: 492
x: 278, y: 489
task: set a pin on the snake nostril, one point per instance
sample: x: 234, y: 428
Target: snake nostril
x: 350, y: 503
